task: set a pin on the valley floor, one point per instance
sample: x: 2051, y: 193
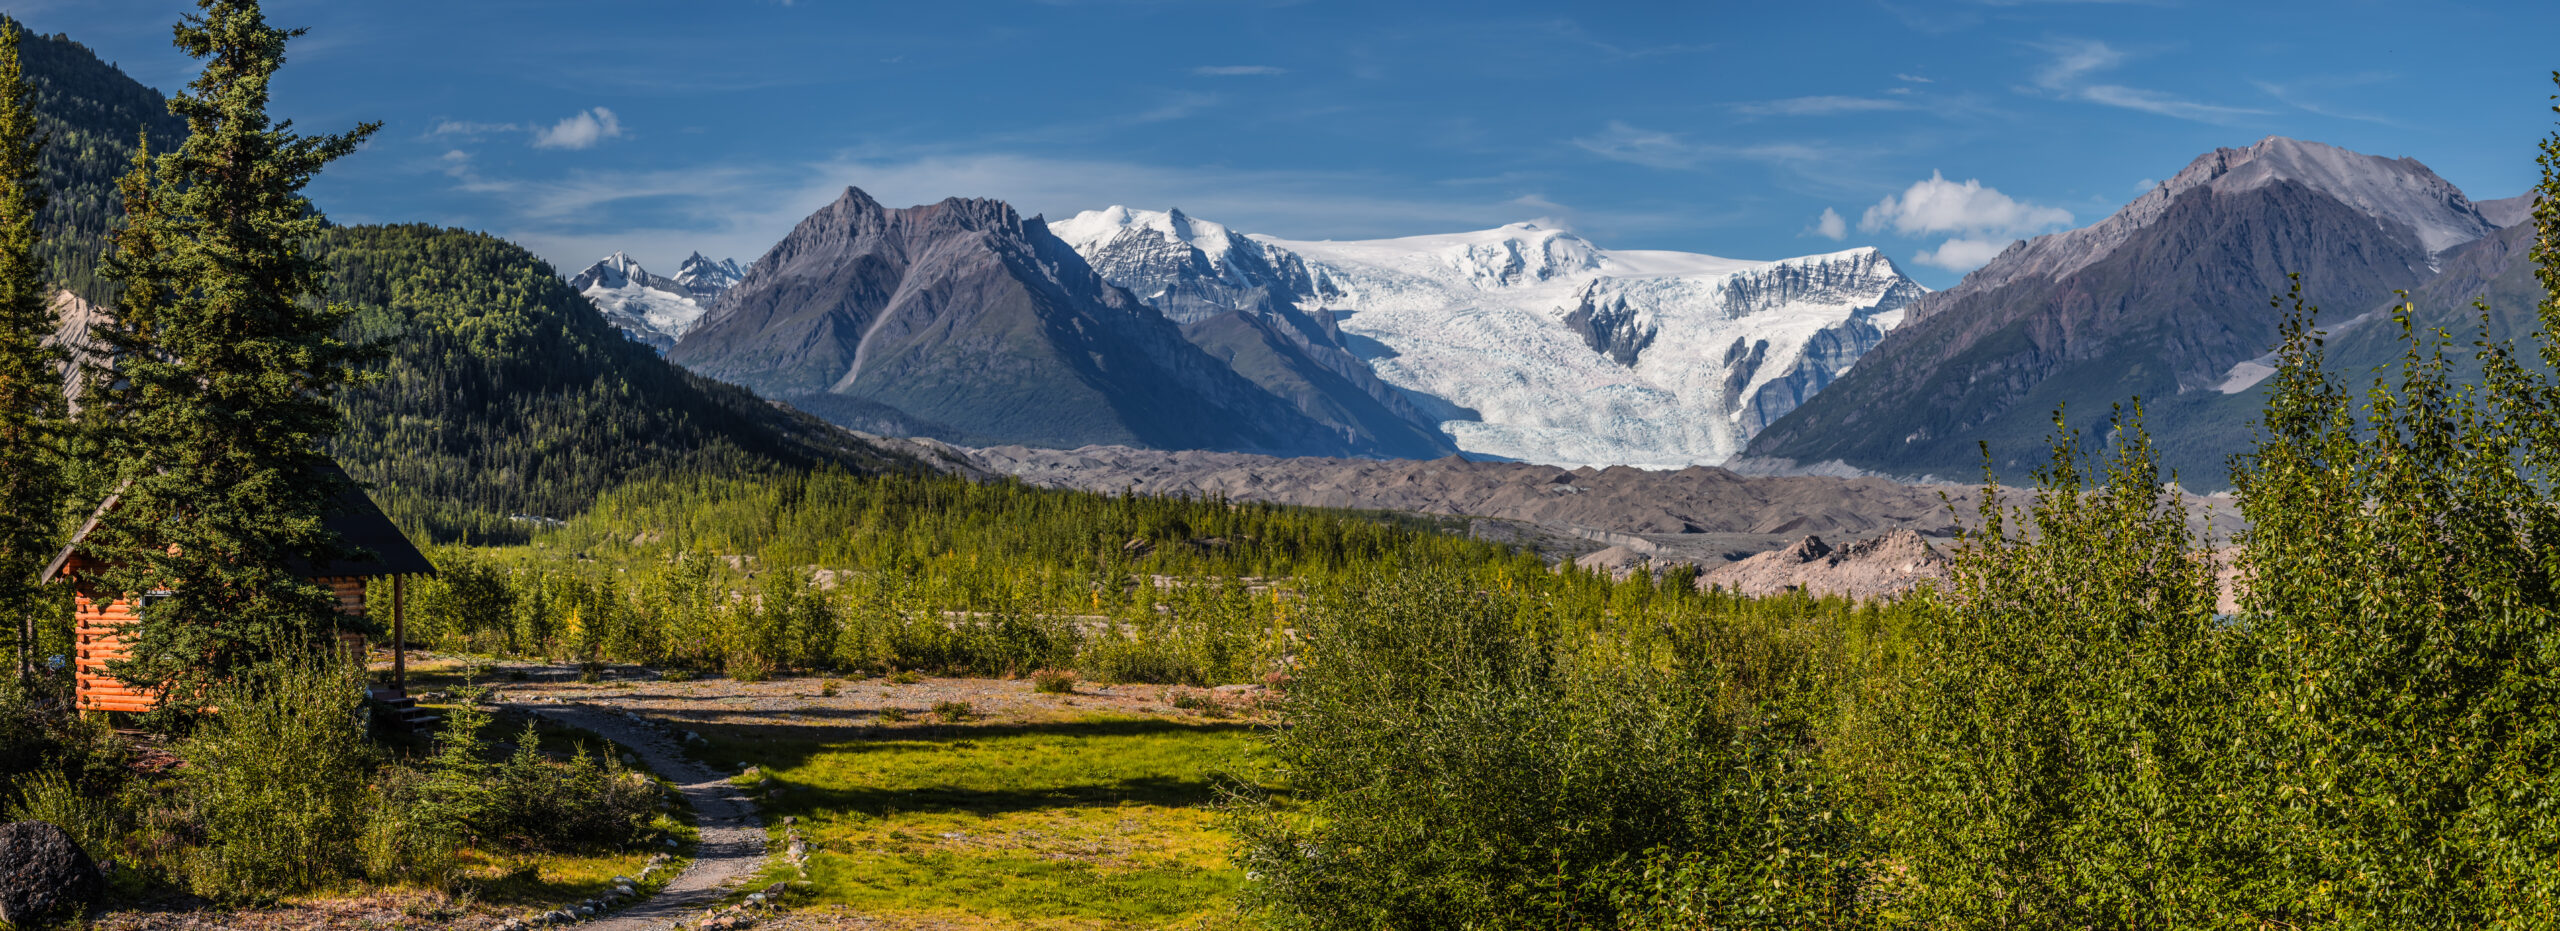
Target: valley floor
x: 963, y: 803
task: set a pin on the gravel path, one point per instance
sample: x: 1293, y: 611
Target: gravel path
x: 733, y: 841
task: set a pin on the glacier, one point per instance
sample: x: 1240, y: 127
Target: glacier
x: 1532, y: 343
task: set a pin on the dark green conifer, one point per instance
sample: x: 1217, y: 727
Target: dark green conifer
x: 31, y: 404
x: 226, y: 360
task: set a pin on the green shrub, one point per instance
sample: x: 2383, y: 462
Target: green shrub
x: 2063, y: 742
x: 95, y: 821
x: 829, y: 688
x: 954, y: 712
x: 587, y: 803
x: 276, y: 783
x: 405, y: 843
x: 1053, y: 682
x: 1462, y: 758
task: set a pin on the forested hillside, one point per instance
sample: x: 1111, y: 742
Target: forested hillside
x: 91, y: 115
x: 505, y: 393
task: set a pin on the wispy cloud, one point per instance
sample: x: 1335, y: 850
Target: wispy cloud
x: 1230, y: 71
x: 2074, y: 59
x: 1178, y: 106
x: 1914, y: 79
x: 2303, y: 94
x: 581, y: 131
x: 1621, y: 142
x: 1820, y: 106
x: 471, y: 130
x: 2073, y: 62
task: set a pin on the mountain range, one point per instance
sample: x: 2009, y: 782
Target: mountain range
x: 964, y: 322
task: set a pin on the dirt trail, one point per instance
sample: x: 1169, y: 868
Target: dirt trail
x: 733, y: 840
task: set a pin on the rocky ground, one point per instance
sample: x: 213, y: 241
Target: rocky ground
x: 1699, y: 515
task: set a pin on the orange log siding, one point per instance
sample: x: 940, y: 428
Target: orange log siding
x: 95, y: 641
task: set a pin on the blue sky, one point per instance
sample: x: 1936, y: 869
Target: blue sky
x: 1727, y: 128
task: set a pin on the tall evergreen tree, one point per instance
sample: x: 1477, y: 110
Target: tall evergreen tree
x: 31, y: 404
x: 226, y: 360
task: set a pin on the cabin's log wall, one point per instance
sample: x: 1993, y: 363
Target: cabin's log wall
x: 98, y: 622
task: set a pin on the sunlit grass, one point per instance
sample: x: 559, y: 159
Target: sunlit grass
x: 1092, y: 822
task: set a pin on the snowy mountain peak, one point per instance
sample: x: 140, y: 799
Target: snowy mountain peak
x: 1094, y: 227
x: 652, y: 308
x: 706, y: 278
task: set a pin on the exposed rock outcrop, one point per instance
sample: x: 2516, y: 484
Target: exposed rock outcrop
x: 1887, y: 566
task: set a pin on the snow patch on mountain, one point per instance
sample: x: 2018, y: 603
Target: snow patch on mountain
x: 651, y: 308
x: 1535, y: 344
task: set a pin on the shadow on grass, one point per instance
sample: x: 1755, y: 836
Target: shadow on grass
x: 788, y: 746
x: 1162, y: 791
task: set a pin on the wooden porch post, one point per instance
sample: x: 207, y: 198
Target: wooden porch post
x: 399, y: 636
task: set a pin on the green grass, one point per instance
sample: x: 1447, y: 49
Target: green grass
x: 1091, y: 822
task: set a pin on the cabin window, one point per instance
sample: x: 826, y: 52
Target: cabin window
x: 152, y: 599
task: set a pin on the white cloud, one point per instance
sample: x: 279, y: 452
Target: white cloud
x: 1938, y: 205
x: 581, y: 131
x: 1830, y: 225
x: 1979, y: 221
x: 1961, y: 254
x: 1913, y: 78
x: 1229, y: 71
x: 1819, y: 106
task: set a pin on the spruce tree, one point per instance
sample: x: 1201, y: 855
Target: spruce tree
x: 226, y: 361
x: 31, y: 403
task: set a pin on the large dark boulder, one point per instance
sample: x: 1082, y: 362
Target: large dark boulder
x: 43, y: 874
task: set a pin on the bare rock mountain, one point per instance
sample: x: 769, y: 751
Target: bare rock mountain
x: 2159, y: 302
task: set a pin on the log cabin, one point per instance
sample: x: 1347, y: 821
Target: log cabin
x: 100, y: 618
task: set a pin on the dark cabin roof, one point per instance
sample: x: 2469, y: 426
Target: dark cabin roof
x: 361, y: 525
